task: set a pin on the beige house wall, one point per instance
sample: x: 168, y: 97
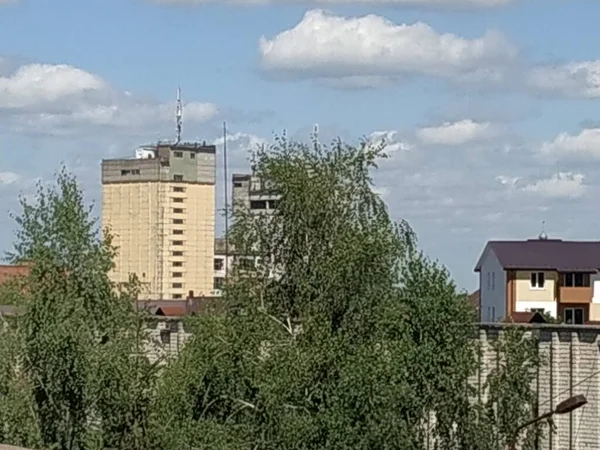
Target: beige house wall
x: 524, y: 292
x: 141, y: 217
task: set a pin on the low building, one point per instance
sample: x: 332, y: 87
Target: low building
x: 251, y: 193
x: 549, y: 276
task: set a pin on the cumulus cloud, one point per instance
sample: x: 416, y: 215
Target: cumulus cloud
x: 561, y: 185
x: 456, y: 133
x: 326, y: 46
x: 429, y: 3
x: 576, y: 79
x: 62, y: 99
x: 584, y: 144
x: 8, y: 178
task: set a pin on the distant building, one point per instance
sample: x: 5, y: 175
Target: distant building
x: 560, y: 278
x: 225, y: 260
x: 160, y: 207
x: 251, y: 193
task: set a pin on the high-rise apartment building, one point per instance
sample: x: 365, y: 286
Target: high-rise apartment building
x: 160, y: 208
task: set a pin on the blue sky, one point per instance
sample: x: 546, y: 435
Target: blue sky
x: 490, y: 112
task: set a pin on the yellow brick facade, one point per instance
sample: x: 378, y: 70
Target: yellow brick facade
x: 165, y: 234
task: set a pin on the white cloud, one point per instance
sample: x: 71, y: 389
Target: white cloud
x: 560, y: 185
x: 586, y: 144
x: 578, y: 79
x: 430, y: 3
x: 456, y: 133
x: 327, y: 46
x: 8, y: 178
x: 394, y: 143
x: 62, y: 99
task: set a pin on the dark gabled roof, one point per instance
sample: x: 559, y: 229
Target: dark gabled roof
x: 545, y: 254
x: 526, y: 317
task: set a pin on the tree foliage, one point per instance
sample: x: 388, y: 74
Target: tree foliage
x: 344, y: 336
x: 74, y: 344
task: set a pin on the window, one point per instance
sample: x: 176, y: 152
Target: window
x: 178, y: 211
x: 178, y: 199
x: 574, y: 316
x: 493, y: 280
x: 177, y: 264
x: 178, y: 154
x: 177, y: 242
x: 192, y: 155
x: 255, y: 184
x: 537, y: 310
x: 177, y: 177
x: 177, y: 221
x: 219, y: 263
x: 177, y: 274
x: 488, y: 281
x: 176, y: 253
x: 537, y: 280
x: 177, y: 231
x: 237, y: 184
x: 177, y: 285
x: 246, y: 264
x: 177, y: 296
x: 130, y: 172
x: 178, y: 189
x: 258, y: 204
x: 218, y: 283
x: 576, y: 279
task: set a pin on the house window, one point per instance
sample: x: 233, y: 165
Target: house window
x: 192, y: 155
x: 178, y: 211
x: 218, y: 283
x: 177, y: 242
x: 178, y: 200
x: 574, y: 316
x: 177, y: 264
x: 177, y: 253
x: 177, y: 285
x: 177, y: 274
x: 177, y: 221
x: 218, y: 264
x: 177, y: 177
x: 178, y: 189
x: 177, y: 231
x: 537, y: 280
x: 237, y: 184
x: 493, y: 280
x: 576, y: 279
x: 178, y: 154
x: 177, y: 296
x: 488, y: 281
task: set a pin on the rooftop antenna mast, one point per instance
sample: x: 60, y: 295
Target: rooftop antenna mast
x: 179, y: 114
x: 226, y: 200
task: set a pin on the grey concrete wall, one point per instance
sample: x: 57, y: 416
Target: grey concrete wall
x: 573, y: 367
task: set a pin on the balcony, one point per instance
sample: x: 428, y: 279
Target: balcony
x: 575, y: 294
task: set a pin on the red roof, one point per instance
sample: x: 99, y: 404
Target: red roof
x: 171, y: 311
x: 8, y: 273
x: 526, y: 317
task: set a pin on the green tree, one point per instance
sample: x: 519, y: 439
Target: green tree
x: 78, y: 332
x: 345, y: 336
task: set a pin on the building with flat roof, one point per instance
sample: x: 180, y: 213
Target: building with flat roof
x: 160, y: 208
x: 250, y: 192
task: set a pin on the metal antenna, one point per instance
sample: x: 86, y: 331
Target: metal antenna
x: 179, y: 114
x: 226, y: 183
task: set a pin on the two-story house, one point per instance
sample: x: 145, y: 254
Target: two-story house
x: 540, y: 275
